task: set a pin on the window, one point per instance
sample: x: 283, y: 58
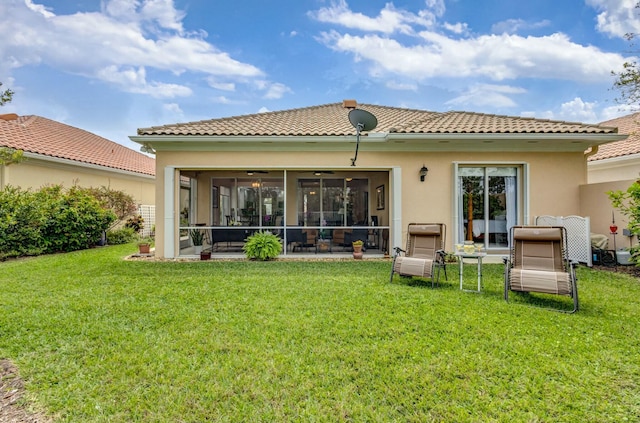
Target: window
x: 488, y: 204
x: 333, y: 202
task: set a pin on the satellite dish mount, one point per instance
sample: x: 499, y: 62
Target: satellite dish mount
x: 362, y: 121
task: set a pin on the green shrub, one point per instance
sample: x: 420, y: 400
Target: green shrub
x: 628, y: 202
x: 21, y: 219
x: 75, y: 219
x: 262, y: 246
x: 121, y: 236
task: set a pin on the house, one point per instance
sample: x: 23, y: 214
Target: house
x: 333, y: 169
x: 611, y: 167
x: 61, y: 154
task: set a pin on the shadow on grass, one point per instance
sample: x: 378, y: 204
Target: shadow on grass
x: 418, y: 282
x: 560, y: 303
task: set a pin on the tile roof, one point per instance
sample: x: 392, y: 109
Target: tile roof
x: 332, y: 120
x: 629, y: 124
x: 35, y: 134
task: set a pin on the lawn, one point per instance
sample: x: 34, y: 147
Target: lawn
x: 101, y: 339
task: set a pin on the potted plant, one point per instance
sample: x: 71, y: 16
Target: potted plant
x: 262, y: 246
x: 197, y: 238
x: 144, y: 245
x: 357, y: 249
x: 205, y: 254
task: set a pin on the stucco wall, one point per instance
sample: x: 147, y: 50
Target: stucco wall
x: 616, y: 169
x: 554, y: 178
x: 35, y: 173
x: 595, y: 203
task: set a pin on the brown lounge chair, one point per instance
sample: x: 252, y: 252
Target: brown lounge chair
x: 424, y: 256
x: 539, y: 263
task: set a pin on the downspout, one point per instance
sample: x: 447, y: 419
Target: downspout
x: 594, y: 150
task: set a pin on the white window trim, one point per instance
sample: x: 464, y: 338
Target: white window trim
x: 522, y: 195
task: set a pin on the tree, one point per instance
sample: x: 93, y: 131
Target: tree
x: 628, y: 80
x: 10, y: 155
x: 5, y: 96
x: 628, y: 202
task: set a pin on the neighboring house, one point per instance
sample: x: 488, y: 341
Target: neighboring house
x: 479, y: 174
x: 61, y: 154
x: 613, y: 166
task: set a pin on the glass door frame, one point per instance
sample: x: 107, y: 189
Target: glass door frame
x: 522, y: 194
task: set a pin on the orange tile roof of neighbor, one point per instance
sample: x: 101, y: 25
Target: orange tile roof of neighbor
x: 35, y: 134
x: 331, y: 120
x: 629, y: 124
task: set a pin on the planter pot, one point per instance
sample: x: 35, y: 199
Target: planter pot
x: 205, y: 255
x: 358, y: 255
x: 198, y: 249
x: 144, y: 248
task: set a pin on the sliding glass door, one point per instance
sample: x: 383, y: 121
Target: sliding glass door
x: 487, y: 204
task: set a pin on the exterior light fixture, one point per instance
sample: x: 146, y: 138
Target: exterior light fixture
x: 423, y: 173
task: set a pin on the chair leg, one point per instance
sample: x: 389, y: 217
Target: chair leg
x: 506, y: 285
x: 574, y: 289
x: 393, y: 265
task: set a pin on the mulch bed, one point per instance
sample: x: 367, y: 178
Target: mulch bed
x: 12, y: 409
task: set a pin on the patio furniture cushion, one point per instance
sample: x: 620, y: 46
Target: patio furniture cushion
x: 540, y: 281
x: 409, y: 266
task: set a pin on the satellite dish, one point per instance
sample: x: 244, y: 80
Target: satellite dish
x: 362, y: 121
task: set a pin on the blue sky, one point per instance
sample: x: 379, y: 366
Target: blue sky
x: 113, y: 66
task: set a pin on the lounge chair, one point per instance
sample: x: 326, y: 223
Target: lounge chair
x: 539, y: 263
x: 424, y: 256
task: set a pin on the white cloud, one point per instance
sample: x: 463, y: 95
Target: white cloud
x: 276, y: 91
x: 218, y: 85
x: 263, y: 110
x: 401, y: 86
x: 512, y: 26
x: 116, y: 45
x: 458, y: 28
x: 613, y: 112
x: 578, y: 110
x: 173, y: 108
x: 487, y: 95
x: 389, y: 20
x: 496, y: 57
x: 38, y: 8
x: 617, y: 17
x: 135, y: 81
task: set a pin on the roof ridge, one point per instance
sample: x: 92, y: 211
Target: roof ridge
x: 331, y: 120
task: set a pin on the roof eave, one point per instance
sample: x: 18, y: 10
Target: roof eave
x: 76, y: 163
x: 373, y: 141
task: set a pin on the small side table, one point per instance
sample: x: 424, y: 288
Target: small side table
x: 476, y: 256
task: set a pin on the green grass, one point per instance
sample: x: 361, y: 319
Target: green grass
x: 100, y: 339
